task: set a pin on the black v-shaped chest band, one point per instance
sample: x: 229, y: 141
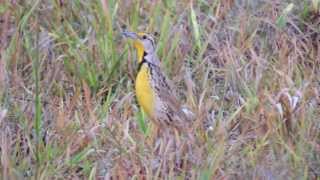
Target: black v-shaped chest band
x: 144, y: 61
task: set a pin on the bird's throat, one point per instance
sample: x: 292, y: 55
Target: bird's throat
x: 140, y: 50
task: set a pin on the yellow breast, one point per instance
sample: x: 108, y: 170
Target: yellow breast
x: 144, y: 91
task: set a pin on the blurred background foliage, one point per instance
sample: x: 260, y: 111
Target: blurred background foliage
x: 249, y: 69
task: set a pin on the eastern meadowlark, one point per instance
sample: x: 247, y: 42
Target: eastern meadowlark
x: 153, y: 92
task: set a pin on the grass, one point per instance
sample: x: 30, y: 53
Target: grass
x: 250, y: 70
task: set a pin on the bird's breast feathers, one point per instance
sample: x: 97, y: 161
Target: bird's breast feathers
x: 144, y: 91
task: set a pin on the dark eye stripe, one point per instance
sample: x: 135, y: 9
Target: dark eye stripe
x: 152, y: 41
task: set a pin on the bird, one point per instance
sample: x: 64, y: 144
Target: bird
x: 154, y: 93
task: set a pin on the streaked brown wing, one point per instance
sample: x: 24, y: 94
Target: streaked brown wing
x: 166, y: 93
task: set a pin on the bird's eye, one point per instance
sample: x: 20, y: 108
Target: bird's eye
x: 144, y: 37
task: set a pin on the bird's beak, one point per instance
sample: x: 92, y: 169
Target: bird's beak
x: 129, y: 34
x: 136, y: 42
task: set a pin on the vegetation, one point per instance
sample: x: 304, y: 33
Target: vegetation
x: 250, y: 70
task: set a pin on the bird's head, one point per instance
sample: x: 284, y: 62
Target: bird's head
x: 144, y: 43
